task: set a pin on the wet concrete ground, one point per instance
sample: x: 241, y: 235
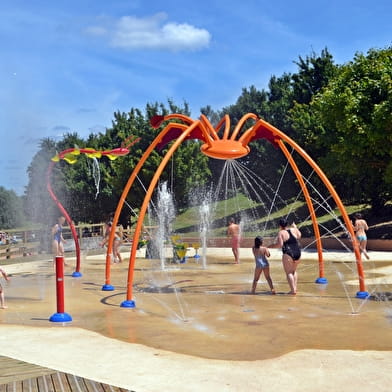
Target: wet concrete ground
x: 208, y: 312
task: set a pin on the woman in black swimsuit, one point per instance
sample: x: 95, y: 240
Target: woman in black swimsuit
x: 287, y: 239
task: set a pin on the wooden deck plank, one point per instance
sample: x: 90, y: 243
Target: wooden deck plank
x: 40, y: 384
x: 111, y: 388
x: 76, y: 383
x: 60, y: 382
x: 92, y: 386
x: 9, y: 387
x: 15, y: 370
x: 20, y: 376
x: 48, y: 383
x: 34, y: 385
x: 28, y: 385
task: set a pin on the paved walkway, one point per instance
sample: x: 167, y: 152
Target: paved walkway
x: 215, y: 337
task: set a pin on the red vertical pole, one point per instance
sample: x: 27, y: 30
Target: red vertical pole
x: 60, y: 283
x: 60, y: 316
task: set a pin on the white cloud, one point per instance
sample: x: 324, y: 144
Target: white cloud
x: 152, y: 33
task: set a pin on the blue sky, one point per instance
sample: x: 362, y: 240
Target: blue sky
x: 67, y: 65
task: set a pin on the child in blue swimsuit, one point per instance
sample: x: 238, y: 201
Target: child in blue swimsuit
x: 58, y: 239
x: 261, y: 253
x: 360, y: 228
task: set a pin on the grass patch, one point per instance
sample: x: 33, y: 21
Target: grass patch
x: 188, y: 221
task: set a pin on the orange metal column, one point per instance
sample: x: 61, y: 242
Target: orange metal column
x: 129, y: 302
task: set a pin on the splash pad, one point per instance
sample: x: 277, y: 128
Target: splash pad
x: 219, y: 321
x: 216, y: 318
x: 232, y: 145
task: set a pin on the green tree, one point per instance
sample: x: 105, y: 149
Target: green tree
x: 11, y: 211
x: 354, y: 117
x: 314, y: 73
x: 212, y: 115
x: 272, y: 105
x: 188, y: 168
x: 76, y: 185
x: 280, y: 101
x: 38, y: 205
x: 134, y: 123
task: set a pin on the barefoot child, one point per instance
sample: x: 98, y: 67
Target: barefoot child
x: 2, y: 299
x: 118, y: 236
x: 261, y: 253
x: 360, y: 228
x: 58, y: 240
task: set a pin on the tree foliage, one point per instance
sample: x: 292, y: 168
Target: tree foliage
x: 77, y: 187
x: 350, y: 124
x: 38, y: 205
x: 340, y: 115
x: 11, y: 209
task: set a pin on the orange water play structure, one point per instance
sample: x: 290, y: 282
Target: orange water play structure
x: 232, y: 145
x: 70, y: 156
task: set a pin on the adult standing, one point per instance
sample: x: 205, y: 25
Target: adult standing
x: 287, y: 239
x: 360, y: 228
x: 234, y: 232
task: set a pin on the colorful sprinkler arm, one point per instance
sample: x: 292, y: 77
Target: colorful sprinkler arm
x: 70, y: 155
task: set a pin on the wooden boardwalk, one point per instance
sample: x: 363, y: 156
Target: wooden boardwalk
x: 19, y: 376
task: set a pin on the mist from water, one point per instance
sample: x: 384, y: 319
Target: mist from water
x: 166, y: 214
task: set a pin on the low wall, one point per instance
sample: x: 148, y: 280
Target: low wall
x: 224, y: 242
x: 17, y: 250
x: 328, y: 243
x: 333, y: 243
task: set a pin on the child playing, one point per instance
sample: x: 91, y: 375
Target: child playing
x: 261, y: 253
x: 58, y: 239
x: 118, y: 236
x: 2, y: 299
x: 360, y: 228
